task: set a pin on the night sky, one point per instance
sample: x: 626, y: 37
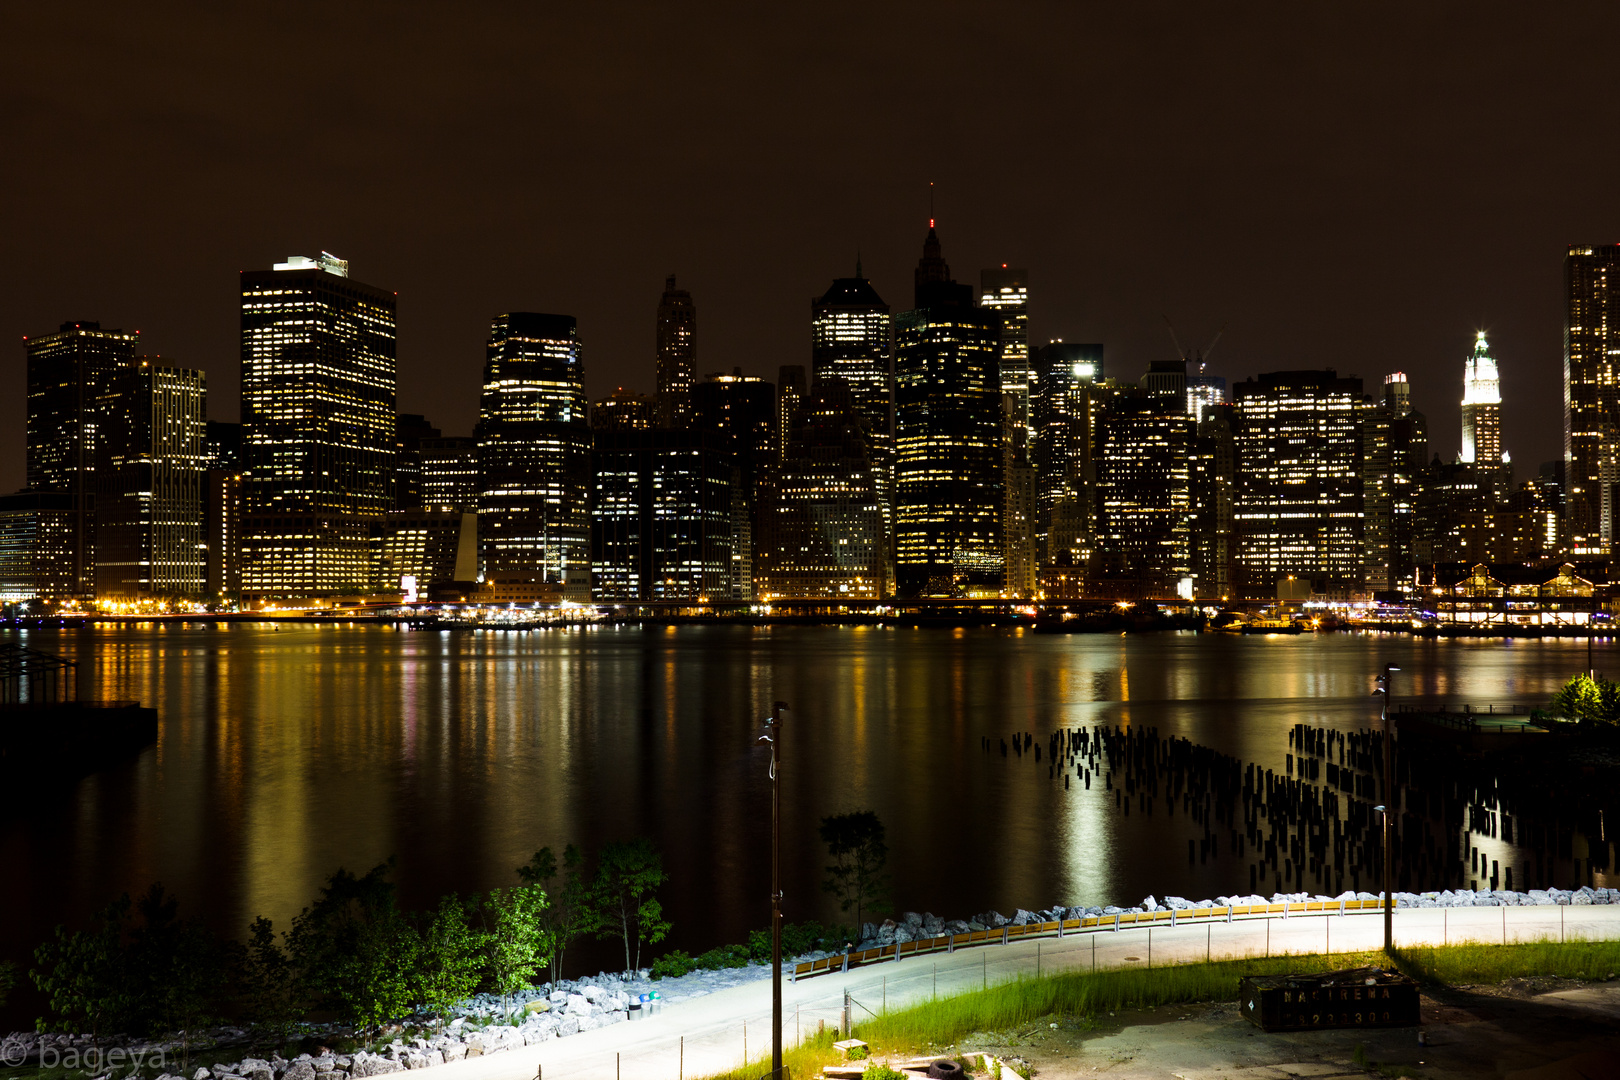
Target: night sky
x: 1360, y: 192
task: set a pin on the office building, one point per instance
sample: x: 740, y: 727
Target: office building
x: 534, y: 455
x: 791, y: 389
x: 318, y: 426
x: 1299, y: 492
x: 661, y: 504
x: 624, y: 410
x: 1021, y: 575
x: 450, y: 474
x: 410, y: 431
x: 850, y: 340
x: 1064, y: 375
x: 150, y: 486
x: 72, y: 375
x: 38, y: 544
x: 222, y: 509
x: 416, y: 549
x: 1167, y: 379
x: 948, y: 454
x: 1144, y: 499
x: 1006, y: 292
x: 1394, y: 449
x: 741, y: 410
x: 821, y: 532
x: 1212, y: 528
x: 1591, y: 404
x: 677, y: 355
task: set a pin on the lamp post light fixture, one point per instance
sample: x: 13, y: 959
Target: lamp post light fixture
x: 1388, y: 808
x: 773, y: 735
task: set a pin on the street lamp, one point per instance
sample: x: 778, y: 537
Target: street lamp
x: 1389, y: 800
x: 773, y: 735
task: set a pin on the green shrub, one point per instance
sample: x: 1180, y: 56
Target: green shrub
x: 882, y: 1072
x: 726, y: 956
x: 859, y: 1053
x: 672, y: 965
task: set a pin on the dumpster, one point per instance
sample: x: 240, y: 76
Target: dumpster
x: 1358, y: 997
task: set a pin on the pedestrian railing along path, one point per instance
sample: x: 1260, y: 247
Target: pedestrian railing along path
x: 1089, y: 924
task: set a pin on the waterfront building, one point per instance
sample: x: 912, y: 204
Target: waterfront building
x: 1144, y: 499
x: 1006, y: 292
x: 821, y: 532
x: 450, y: 473
x: 38, y: 543
x: 741, y: 410
x: 1063, y: 376
x: 850, y: 340
x: 1591, y: 406
x: 661, y: 504
x: 72, y: 375
x: 677, y: 355
x: 1213, y: 479
x: 1299, y: 506
x: 1394, y: 451
x: 1021, y: 576
x: 150, y: 485
x: 534, y: 455
x: 624, y: 410
x: 1501, y: 598
x: 948, y: 454
x: 318, y: 417
x: 416, y: 549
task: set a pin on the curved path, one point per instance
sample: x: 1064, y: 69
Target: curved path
x: 706, y: 1035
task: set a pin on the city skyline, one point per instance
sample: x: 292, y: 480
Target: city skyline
x: 1195, y: 167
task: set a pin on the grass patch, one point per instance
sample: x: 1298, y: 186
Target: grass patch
x: 1457, y: 965
x: 804, y: 1060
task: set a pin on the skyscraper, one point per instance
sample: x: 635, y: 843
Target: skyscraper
x: 821, y: 532
x: 150, y: 500
x: 1394, y: 452
x: 624, y: 409
x: 1006, y: 292
x: 534, y: 455
x: 318, y: 414
x: 948, y: 467
x: 1299, y: 490
x: 849, y: 340
x: 1482, y: 415
x: 1214, y: 486
x: 1591, y: 395
x: 1063, y: 377
x: 1018, y: 519
x: 677, y: 355
x: 450, y: 474
x: 791, y: 389
x: 741, y: 410
x: 72, y: 375
x: 1144, y: 498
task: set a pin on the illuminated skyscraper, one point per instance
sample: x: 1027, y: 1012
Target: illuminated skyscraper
x: 1006, y: 292
x: 1214, y: 488
x: 1299, y: 490
x: 1591, y: 395
x: 791, y: 389
x: 624, y: 410
x: 1018, y: 519
x: 150, y: 484
x: 1144, y: 498
x: 318, y: 416
x: 677, y: 355
x: 72, y: 375
x: 1481, y: 409
x: 741, y: 410
x: 849, y: 340
x: 1064, y: 375
x: 450, y: 474
x: 948, y: 467
x: 821, y: 532
x: 1394, y: 453
x: 534, y: 456
x: 1202, y: 391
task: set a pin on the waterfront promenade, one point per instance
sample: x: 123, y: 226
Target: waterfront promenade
x: 706, y: 1035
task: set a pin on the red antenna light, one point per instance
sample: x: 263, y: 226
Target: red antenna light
x: 930, y: 223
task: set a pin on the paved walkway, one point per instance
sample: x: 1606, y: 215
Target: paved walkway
x: 706, y: 1035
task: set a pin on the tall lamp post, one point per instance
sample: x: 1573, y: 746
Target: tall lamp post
x: 1388, y: 809
x: 773, y: 735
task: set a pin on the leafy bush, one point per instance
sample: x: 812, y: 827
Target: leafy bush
x: 1588, y: 700
x: 726, y: 956
x: 859, y: 1053
x: 882, y: 1072
x: 673, y: 965
x: 797, y: 938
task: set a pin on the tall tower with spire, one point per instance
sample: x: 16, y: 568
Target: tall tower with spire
x: 1481, y: 408
x: 948, y: 438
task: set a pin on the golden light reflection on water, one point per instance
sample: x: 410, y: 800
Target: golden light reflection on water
x: 286, y: 753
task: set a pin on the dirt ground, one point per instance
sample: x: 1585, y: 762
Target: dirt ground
x: 1525, y: 1029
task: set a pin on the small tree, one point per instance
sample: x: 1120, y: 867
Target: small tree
x: 451, y: 958
x: 82, y: 974
x: 856, y: 876
x: 516, y: 940
x: 1589, y: 700
x: 622, y: 900
x: 175, y: 971
x: 269, y: 984
x: 568, y: 912
x: 354, y: 950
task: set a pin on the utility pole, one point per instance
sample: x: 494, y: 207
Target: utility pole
x: 773, y: 735
x: 1388, y: 808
